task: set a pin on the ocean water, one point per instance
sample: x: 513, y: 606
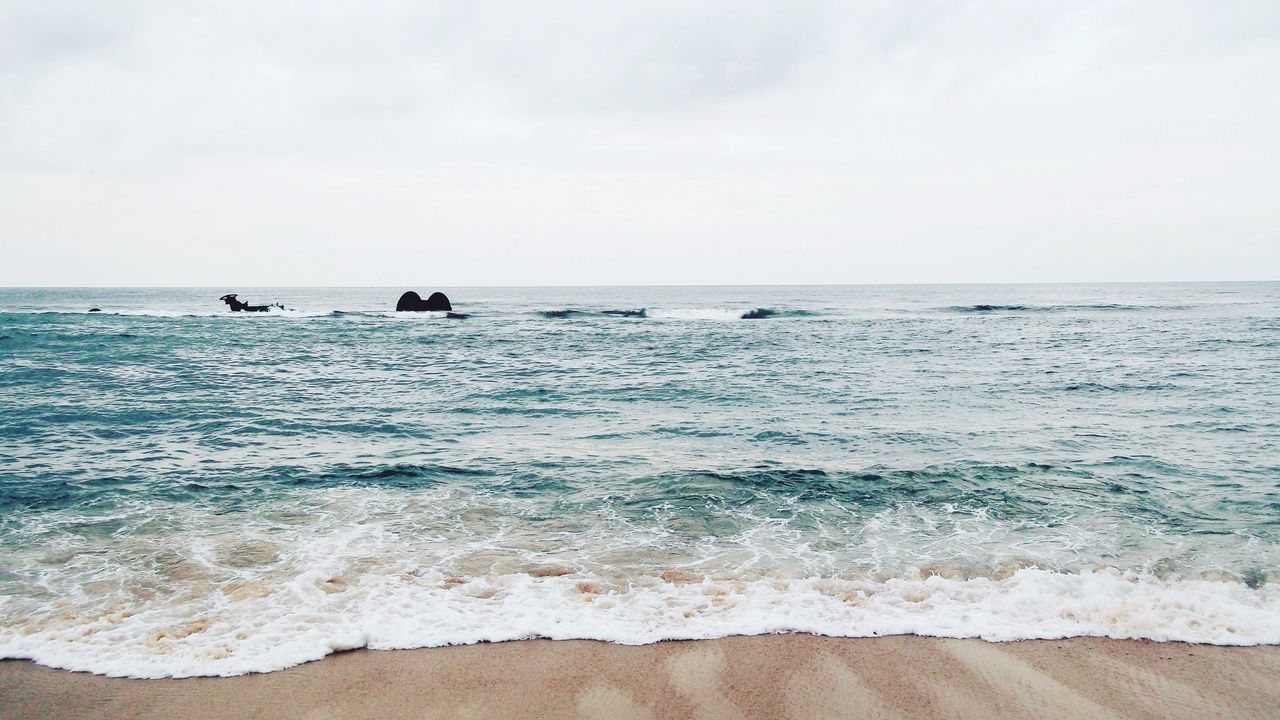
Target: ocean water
x: 187, y: 491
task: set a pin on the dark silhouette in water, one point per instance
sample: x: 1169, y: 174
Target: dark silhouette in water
x: 95, y: 309
x: 238, y: 306
x: 411, y: 301
x: 758, y: 314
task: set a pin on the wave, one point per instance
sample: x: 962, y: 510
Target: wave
x: 714, y: 313
x: 394, y: 315
x: 705, y: 313
x: 989, y: 308
x: 149, y: 313
x: 762, y: 313
x: 244, y: 625
x: 724, y: 313
x: 273, y: 312
x: 1095, y: 307
x: 961, y: 485
x: 567, y: 313
x: 1120, y: 387
x: 244, y: 572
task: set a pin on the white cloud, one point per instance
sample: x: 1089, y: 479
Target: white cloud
x: 666, y: 142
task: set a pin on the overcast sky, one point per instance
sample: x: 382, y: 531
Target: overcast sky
x: 439, y: 143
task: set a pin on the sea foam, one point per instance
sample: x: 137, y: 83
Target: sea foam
x: 244, y: 627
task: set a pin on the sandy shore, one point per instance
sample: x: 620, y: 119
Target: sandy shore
x: 779, y: 676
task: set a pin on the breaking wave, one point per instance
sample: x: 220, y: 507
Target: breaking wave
x: 237, y: 574
x: 242, y: 626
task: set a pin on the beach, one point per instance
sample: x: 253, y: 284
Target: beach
x: 639, y: 360
x: 772, y: 676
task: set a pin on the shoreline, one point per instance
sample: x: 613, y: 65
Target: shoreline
x: 782, y: 676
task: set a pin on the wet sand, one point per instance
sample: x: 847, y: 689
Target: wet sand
x: 777, y: 676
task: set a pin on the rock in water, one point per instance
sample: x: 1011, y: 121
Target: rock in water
x: 438, y: 301
x: 413, y: 302
x: 408, y: 301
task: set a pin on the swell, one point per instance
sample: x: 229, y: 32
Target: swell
x: 1033, y: 496
x: 568, y: 313
x: 762, y: 313
x: 1086, y: 307
x: 382, y: 314
x: 758, y: 313
x: 79, y: 487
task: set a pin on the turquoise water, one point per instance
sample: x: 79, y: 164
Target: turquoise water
x: 187, y: 491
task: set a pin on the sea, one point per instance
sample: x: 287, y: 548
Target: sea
x: 188, y: 491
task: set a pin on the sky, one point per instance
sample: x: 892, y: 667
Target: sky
x: 442, y: 143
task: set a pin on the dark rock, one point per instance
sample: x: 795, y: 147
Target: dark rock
x: 95, y: 309
x: 412, y: 302
x: 238, y: 306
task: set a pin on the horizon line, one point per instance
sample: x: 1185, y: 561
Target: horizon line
x: 645, y: 285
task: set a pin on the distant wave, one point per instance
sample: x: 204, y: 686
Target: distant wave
x: 726, y: 313
x: 38, y: 314
x: 1122, y: 387
x: 1092, y: 307
x: 762, y: 313
x: 385, y: 314
x: 640, y: 313
x: 274, y: 312
x: 989, y: 308
x: 567, y: 313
